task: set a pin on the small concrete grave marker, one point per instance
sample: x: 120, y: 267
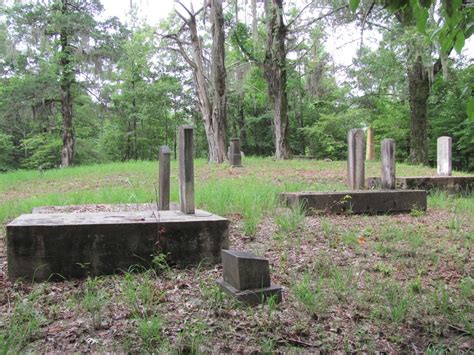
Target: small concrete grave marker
x: 355, y: 159
x: 164, y: 183
x: 186, y: 169
x: 235, y: 155
x: 247, y: 277
x: 370, y: 153
x: 388, y: 164
x: 444, y: 166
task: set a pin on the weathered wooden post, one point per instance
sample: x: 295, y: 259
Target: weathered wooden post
x: 370, y: 154
x: 355, y: 159
x: 186, y: 169
x: 388, y: 164
x: 164, y: 175
x: 444, y: 161
x: 235, y: 156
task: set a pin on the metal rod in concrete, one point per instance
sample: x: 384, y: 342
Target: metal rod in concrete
x: 355, y: 159
x: 388, y: 164
x: 186, y: 169
x: 444, y: 145
x: 164, y: 176
x: 370, y: 151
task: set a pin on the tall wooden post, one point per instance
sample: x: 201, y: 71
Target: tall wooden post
x: 186, y: 169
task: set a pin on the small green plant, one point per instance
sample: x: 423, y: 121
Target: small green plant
x: 149, y: 330
x: 192, y: 337
x: 341, y: 280
x: 415, y: 285
x: 416, y: 212
x: 441, y: 299
x: 399, y: 304
x: 94, y: 301
x: 454, y: 224
x: 140, y: 293
x: 272, y: 304
x: 466, y: 288
x: 268, y: 346
x: 23, y: 324
x: 160, y: 264
x: 252, y: 215
x: 383, y: 268
x: 327, y: 227
x: 291, y: 220
x: 309, y: 294
x: 212, y: 293
x: 350, y: 238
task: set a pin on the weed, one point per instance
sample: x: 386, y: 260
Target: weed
x: 415, y: 285
x: 23, y: 324
x: 441, y: 299
x: 328, y: 228
x: 94, y: 301
x: 350, y: 238
x: 268, y: 346
x: 149, y: 330
x: 399, y: 304
x: 192, y: 337
x: 252, y: 216
x: 309, y: 294
x: 340, y: 281
x: 416, y: 212
x: 272, y: 304
x: 212, y: 293
x: 291, y: 220
x: 383, y: 268
x: 160, y: 265
x: 466, y: 288
x: 140, y: 294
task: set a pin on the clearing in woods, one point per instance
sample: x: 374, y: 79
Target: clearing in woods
x: 392, y: 283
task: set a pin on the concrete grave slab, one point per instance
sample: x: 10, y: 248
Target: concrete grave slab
x: 451, y: 184
x: 57, y: 245
x: 358, y: 202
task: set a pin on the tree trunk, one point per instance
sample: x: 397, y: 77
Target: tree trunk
x: 67, y: 78
x: 212, y: 106
x: 218, y: 77
x: 419, y: 90
x: 275, y: 74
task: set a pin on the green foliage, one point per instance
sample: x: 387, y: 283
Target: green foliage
x: 43, y: 150
x: 327, y: 138
x: 6, y: 152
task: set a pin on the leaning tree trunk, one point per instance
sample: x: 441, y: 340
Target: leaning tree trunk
x: 67, y: 78
x: 275, y: 74
x: 419, y: 90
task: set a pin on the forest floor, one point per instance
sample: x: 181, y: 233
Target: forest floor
x: 388, y: 283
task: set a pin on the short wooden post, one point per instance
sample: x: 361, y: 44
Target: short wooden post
x: 388, y: 163
x: 164, y: 182
x: 355, y: 160
x: 444, y: 159
x: 370, y: 154
x: 186, y: 169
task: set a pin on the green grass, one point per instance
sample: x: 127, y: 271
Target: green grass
x: 347, y: 279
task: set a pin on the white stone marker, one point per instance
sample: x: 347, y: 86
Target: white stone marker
x: 355, y: 159
x: 388, y: 164
x: 186, y: 169
x: 444, y: 156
